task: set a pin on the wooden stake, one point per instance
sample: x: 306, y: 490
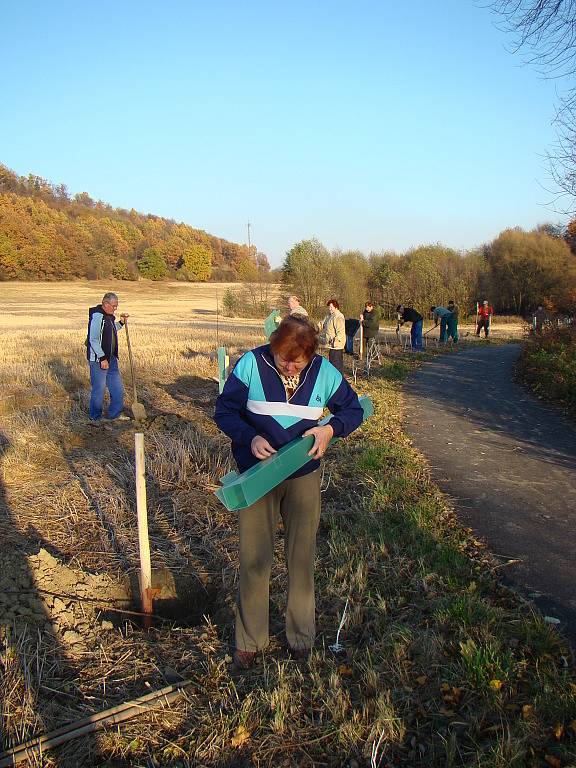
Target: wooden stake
x: 143, y: 540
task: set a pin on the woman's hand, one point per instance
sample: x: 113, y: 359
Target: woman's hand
x: 261, y: 448
x: 322, y: 437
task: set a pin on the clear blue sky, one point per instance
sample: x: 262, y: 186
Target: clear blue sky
x: 367, y: 124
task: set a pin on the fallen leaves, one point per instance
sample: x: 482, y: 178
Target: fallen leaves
x: 451, y: 694
x: 527, y: 711
x: 240, y: 737
x: 552, y: 761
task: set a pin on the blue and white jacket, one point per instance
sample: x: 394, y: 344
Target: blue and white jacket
x: 102, y: 338
x: 254, y: 402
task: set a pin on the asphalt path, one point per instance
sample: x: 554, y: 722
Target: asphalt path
x: 508, y: 463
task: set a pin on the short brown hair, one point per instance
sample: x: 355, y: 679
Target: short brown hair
x: 294, y: 338
x: 334, y: 302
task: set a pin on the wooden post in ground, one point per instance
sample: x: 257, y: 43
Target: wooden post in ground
x: 143, y: 540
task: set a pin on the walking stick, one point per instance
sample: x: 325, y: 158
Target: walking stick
x: 138, y: 410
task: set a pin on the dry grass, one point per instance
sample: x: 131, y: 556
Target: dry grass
x: 429, y: 627
x: 64, y: 305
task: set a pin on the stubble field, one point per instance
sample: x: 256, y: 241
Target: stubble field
x: 443, y: 666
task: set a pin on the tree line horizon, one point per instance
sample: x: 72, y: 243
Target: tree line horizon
x: 47, y: 235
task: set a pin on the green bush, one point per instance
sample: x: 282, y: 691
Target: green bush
x: 548, y: 366
x: 152, y: 265
x: 244, y: 303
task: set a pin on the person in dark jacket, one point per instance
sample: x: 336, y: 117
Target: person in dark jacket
x: 275, y: 394
x: 370, y: 320
x: 409, y: 314
x: 539, y: 319
x: 102, y: 353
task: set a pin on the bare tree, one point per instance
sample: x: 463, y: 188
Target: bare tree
x: 544, y: 31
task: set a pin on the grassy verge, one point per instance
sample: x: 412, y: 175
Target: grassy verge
x: 548, y: 367
x: 442, y: 665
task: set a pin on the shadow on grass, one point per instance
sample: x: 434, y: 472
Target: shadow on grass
x: 32, y: 659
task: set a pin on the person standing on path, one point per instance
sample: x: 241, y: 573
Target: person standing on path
x: 370, y: 320
x: 539, y: 318
x: 410, y: 315
x: 441, y: 315
x: 452, y: 324
x: 296, y: 309
x: 275, y: 394
x: 485, y: 312
x: 102, y: 354
x: 334, y: 330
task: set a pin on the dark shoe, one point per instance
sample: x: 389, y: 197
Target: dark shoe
x: 300, y: 654
x: 243, y: 659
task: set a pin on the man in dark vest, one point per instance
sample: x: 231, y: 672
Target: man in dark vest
x: 102, y: 353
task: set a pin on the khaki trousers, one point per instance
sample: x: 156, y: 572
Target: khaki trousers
x: 297, y: 501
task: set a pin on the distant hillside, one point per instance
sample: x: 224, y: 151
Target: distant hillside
x: 47, y: 235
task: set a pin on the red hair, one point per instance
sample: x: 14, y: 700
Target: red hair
x: 334, y: 302
x: 294, y: 338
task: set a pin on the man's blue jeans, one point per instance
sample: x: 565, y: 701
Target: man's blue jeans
x: 443, y: 329
x: 416, y: 335
x: 100, y: 379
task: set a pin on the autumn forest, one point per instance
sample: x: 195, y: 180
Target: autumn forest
x: 45, y: 234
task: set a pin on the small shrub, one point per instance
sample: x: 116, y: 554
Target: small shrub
x: 243, y: 303
x: 548, y: 366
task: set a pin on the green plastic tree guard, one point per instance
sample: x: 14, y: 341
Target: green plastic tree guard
x: 240, y: 491
x: 223, y: 363
x: 270, y: 324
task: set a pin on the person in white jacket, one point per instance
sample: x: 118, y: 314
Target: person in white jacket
x: 334, y: 330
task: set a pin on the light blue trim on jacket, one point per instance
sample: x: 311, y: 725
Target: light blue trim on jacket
x: 95, y: 336
x: 246, y: 370
x: 328, y: 380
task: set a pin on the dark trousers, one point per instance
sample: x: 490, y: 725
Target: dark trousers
x: 483, y: 322
x: 336, y: 357
x: 297, y: 501
x: 443, y: 329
